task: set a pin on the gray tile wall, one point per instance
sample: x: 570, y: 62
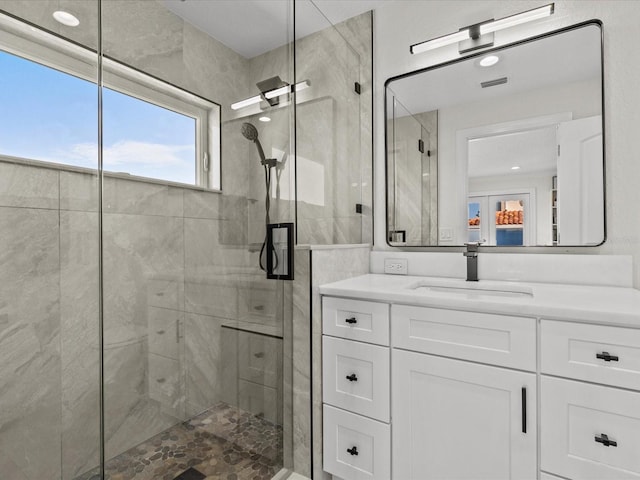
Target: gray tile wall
x: 166, y: 260
x: 313, y: 268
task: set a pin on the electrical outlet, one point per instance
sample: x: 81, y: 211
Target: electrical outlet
x: 446, y: 234
x: 396, y: 266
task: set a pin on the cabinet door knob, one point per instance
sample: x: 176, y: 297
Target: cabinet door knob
x: 353, y: 450
x: 607, y: 357
x: 604, y: 440
x: 352, y: 377
x: 351, y: 320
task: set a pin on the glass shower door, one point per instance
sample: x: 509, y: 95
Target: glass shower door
x: 195, y: 335
x: 49, y: 291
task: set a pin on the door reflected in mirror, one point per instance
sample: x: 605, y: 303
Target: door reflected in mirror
x: 509, y: 154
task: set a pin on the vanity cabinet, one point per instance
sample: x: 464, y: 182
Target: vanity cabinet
x: 453, y: 394
x: 590, y: 400
x: 356, y: 434
x: 454, y: 418
x: 461, y: 420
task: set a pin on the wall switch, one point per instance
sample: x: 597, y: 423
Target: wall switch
x: 446, y: 234
x: 396, y: 266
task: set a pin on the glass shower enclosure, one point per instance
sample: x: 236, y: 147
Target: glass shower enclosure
x: 140, y: 337
x: 144, y: 148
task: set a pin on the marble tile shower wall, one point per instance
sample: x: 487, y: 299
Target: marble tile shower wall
x: 333, y: 126
x: 170, y: 254
x: 166, y: 257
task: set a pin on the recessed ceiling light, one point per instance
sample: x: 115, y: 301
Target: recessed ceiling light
x: 66, y: 18
x: 264, y: 119
x: 489, y: 61
x: 515, y: 168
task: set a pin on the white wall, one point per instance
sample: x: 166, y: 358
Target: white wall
x: 401, y: 23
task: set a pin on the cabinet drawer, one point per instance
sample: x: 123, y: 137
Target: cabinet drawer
x: 355, y: 376
x: 356, y: 320
x: 258, y: 399
x: 355, y: 447
x: 165, y: 384
x: 495, y: 339
x: 164, y: 293
x: 574, y: 415
x: 164, y: 332
x: 259, y: 358
x: 596, y: 353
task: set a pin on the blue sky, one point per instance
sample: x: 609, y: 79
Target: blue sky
x: 49, y: 115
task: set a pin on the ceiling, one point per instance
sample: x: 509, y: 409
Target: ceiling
x: 555, y: 60
x: 253, y: 27
x: 534, y: 151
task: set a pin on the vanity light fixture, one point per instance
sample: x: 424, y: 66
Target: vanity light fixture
x: 264, y: 119
x: 480, y: 35
x: 66, y: 18
x: 270, y: 94
x: 246, y: 102
x: 440, y: 42
x: 284, y: 90
x: 518, y: 19
x: 515, y: 167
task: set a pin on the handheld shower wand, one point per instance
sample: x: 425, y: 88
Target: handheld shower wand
x: 250, y: 132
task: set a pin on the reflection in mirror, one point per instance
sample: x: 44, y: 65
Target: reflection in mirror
x: 414, y: 150
x: 502, y: 147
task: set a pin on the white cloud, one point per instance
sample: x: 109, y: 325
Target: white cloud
x: 128, y: 152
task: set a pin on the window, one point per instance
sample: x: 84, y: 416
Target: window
x: 150, y: 129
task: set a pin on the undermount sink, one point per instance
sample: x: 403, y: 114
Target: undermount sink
x: 473, y: 289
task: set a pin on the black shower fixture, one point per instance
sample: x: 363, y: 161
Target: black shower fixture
x: 269, y: 85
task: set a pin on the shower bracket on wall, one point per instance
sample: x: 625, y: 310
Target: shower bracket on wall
x: 269, y: 162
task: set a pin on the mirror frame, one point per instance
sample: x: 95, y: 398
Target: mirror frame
x: 475, y: 54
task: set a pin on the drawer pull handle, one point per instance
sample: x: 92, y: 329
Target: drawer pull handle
x: 352, y: 377
x: 160, y: 332
x: 353, y: 450
x: 604, y: 440
x: 259, y: 355
x: 524, y: 409
x: 161, y: 380
x: 607, y: 357
x: 351, y: 320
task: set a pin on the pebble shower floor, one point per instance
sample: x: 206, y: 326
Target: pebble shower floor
x: 223, y: 443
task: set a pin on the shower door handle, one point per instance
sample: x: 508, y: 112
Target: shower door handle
x: 279, y: 248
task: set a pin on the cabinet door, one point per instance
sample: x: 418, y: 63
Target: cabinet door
x: 459, y: 420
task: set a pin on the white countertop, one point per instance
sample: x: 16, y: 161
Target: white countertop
x: 593, y: 304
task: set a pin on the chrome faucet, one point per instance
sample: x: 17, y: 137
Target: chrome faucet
x: 472, y: 261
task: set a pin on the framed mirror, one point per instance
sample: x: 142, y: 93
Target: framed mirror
x: 504, y: 146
